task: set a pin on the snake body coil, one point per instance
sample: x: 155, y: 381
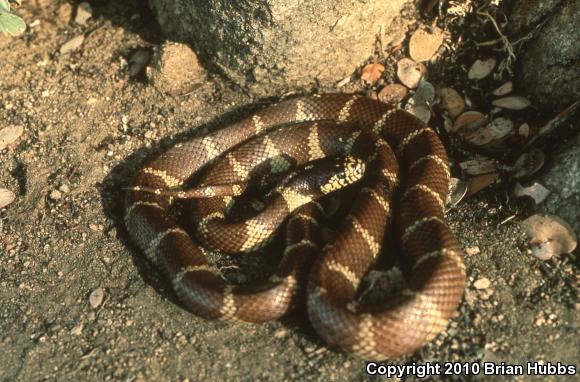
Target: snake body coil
x: 290, y: 134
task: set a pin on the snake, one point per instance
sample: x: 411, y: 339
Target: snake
x: 395, y: 172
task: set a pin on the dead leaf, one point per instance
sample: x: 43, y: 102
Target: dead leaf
x: 512, y: 103
x: 550, y: 235
x: 423, y: 45
x: 451, y: 101
x: 393, y: 94
x: 469, y: 120
x: 529, y: 163
x: 372, y: 72
x: 496, y: 130
x: 500, y: 128
x: 479, y: 166
x: 536, y: 191
x: 524, y: 130
x: 503, y: 89
x: 482, y: 283
x: 410, y: 72
x: 457, y: 190
x: 479, y: 182
x: 481, y: 69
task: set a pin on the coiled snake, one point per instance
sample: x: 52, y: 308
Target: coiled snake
x: 284, y: 137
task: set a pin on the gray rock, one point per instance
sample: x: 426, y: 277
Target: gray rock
x: 549, y: 62
x: 273, y: 46
x: 175, y: 69
x: 563, y: 180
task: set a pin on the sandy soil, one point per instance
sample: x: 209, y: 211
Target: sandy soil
x: 87, y: 127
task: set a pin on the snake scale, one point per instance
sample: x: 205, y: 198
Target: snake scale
x: 403, y: 190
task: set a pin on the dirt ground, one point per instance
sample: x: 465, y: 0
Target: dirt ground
x: 87, y: 127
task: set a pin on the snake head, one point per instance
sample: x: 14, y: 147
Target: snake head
x: 350, y: 169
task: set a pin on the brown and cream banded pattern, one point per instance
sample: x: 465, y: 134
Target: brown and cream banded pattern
x: 403, y: 190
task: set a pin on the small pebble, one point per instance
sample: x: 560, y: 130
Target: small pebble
x: 55, y: 195
x: 77, y: 330
x: 472, y: 251
x: 485, y: 294
x: 524, y: 130
x: 420, y: 111
x: 64, y: 13
x: 72, y: 44
x: 425, y: 93
x: 6, y: 197
x: 280, y: 333
x: 84, y: 12
x: 9, y: 135
x: 96, y: 297
x: 175, y: 69
x: 482, y: 283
